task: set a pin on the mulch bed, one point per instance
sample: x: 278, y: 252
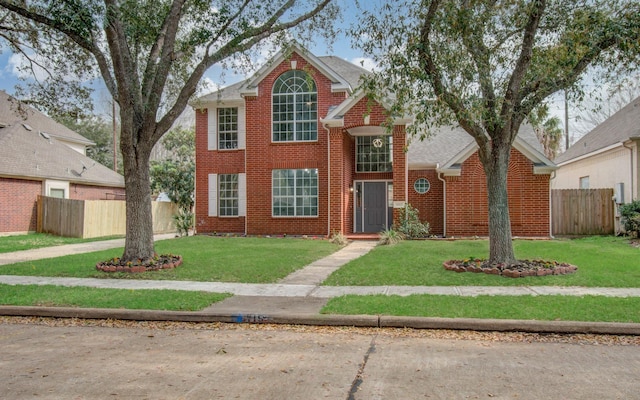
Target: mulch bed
x: 164, y: 261
x: 520, y: 269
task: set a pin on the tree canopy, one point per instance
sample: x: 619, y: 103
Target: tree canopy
x: 487, y: 64
x: 151, y: 56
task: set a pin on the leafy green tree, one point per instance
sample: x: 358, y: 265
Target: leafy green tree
x: 548, y: 130
x: 98, y: 131
x: 151, y: 55
x: 487, y: 64
x: 176, y: 176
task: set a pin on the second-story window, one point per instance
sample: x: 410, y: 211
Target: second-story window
x: 228, y: 128
x: 295, y: 108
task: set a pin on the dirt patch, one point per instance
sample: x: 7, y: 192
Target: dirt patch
x: 520, y: 269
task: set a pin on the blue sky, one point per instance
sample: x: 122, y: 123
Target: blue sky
x: 341, y: 47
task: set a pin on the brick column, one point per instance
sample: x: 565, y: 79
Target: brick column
x: 399, y: 167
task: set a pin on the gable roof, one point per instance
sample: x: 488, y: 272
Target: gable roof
x: 343, y: 74
x: 30, y: 149
x: 14, y: 112
x: 449, y: 146
x: 618, y: 128
x: 30, y: 154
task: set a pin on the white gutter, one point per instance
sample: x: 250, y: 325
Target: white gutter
x: 552, y: 177
x: 328, y: 179
x: 444, y: 204
x: 593, y: 153
x: 630, y: 168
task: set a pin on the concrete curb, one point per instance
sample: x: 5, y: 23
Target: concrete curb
x: 371, y: 321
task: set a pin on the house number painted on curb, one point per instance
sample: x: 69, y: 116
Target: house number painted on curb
x: 251, y: 318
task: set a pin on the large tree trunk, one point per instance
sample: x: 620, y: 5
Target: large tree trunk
x: 500, y: 241
x: 139, y: 237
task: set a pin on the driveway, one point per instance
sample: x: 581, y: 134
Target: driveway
x: 80, y: 359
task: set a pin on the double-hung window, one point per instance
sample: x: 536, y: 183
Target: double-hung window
x: 295, y: 192
x: 228, y: 195
x: 374, y: 154
x: 295, y: 108
x: 228, y: 128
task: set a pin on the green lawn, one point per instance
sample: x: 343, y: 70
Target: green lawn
x: 602, y: 261
x: 85, y: 297
x: 206, y: 258
x: 36, y: 240
x: 544, y: 308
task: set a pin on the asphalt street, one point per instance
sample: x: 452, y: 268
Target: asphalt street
x: 222, y: 361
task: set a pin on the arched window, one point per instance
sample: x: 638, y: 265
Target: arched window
x: 295, y: 107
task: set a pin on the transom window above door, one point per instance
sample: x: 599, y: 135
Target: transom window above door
x: 295, y: 108
x: 374, y: 154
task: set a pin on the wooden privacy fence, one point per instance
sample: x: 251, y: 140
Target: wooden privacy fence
x: 96, y: 218
x: 582, y: 212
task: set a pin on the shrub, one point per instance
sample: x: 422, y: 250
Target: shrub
x: 184, y: 222
x: 390, y: 236
x: 339, y: 239
x: 409, y: 223
x: 631, y: 217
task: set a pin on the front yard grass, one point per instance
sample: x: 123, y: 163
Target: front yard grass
x: 544, y: 308
x: 86, y: 297
x: 29, y: 241
x: 602, y: 262
x: 205, y: 258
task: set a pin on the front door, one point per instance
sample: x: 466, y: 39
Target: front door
x: 371, y: 207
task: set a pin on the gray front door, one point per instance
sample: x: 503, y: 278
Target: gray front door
x: 375, y: 207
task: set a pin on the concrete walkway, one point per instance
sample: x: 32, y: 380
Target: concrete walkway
x: 298, y: 293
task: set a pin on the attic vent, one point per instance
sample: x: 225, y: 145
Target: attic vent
x: 45, y: 135
x: 27, y: 127
x: 3, y: 125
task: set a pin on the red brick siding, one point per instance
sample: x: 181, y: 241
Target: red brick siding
x: 263, y: 157
x: 18, y: 211
x: 18, y: 204
x: 467, y: 210
x: 82, y: 192
x: 213, y: 162
x: 429, y: 205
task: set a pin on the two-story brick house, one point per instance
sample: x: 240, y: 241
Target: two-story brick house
x: 296, y: 150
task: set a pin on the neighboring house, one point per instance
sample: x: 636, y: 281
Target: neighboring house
x: 606, y: 157
x: 295, y: 150
x: 39, y: 156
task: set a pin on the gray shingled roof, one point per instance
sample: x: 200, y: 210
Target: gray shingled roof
x: 446, y: 142
x: 29, y: 149
x: 618, y: 128
x: 13, y: 112
x: 348, y: 71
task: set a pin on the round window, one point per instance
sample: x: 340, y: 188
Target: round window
x: 422, y: 185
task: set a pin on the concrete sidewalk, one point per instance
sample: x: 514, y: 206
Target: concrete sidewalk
x: 297, y: 297
x: 67, y: 249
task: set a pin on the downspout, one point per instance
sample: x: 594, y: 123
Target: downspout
x: 328, y: 180
x: 553, y: 176
x: 630, y: 169
x: 444, y: 201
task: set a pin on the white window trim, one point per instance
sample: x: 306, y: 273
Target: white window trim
x: 242, y: 195
x: 213, y: 195
x: 295, y: 197
x: 212, y: 127
x: 53, y: 184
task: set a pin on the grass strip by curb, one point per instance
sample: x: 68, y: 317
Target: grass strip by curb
x: 88, y: 297
x: 543, y: 308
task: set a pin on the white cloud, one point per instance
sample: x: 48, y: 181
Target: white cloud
x: 20, y: 67
x: 365, y: 62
